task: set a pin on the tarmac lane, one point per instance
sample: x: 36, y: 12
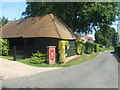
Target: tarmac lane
x: 101, y: 72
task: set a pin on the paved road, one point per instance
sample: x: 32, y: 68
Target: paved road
x: 102, y: 72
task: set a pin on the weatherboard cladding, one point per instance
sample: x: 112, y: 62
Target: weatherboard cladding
x: 46, y: 26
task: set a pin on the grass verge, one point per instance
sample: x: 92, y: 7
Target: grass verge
x: 7, y: 57
x: 75, y: 61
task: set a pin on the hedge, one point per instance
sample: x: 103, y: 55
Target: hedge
x: 101, y: 48
x: 89, y: 47
x: 117, y: 50
x: 96, y: 47
x: 81, y: 48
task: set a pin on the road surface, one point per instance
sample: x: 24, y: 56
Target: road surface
x: 101, y: 72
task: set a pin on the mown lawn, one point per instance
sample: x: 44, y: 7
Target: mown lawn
x: 75, y: 61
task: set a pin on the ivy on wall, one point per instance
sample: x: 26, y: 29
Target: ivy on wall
x: 63, y: 46
x: 80, y: 46
x: 69, y: 48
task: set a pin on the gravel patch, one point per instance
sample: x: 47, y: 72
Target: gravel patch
x: 12, y: 69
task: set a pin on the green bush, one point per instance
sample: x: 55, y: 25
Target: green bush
x: 89, y: 47
x: 4, y: 47
x: 63, y: 46
x: 109, y: 48
x: 82, y: 49
x: 80, y: 46
x: 96, y: 47
x: 101, y: 48
x: 117, y: 50
x: 38, y: 58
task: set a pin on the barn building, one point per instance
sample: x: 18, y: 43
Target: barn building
x: 35, y: 34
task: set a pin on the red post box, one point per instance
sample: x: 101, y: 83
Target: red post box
x: 51, y: 54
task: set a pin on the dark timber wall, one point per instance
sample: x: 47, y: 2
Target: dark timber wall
x: 18, y: 42
x: 39, y: 44
x: 27, y: 46
x: 72, y: 49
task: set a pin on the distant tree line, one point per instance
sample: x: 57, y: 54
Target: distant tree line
x: 107, y: 36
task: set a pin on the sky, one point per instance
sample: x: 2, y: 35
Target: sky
x: 12, y: 10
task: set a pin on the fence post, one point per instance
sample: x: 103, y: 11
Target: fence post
x: 14, y: 56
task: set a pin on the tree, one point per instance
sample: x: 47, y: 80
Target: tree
x: 115, y: 39
x: 107, y: 36
x: 99, y: 38
x: 21, y: 18
x: 3, y: 21
x: 4, y: 43
x: 80, y: 17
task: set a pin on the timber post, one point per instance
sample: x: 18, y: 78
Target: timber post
x: 14, y: 56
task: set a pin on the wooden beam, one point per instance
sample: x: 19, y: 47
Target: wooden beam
x: 24, y: 42
x: 14, y: 56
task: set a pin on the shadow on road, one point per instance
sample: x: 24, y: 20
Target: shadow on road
x: 117, y: 58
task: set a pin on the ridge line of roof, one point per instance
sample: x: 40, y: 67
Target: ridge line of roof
x: 67, y: 27
x: 53, y: 18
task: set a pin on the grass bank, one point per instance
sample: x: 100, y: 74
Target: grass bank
x: 75, y: 61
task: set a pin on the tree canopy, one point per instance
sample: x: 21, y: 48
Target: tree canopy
x: 79, y: 16
x: 3, y: 21
x: 107, y: 36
